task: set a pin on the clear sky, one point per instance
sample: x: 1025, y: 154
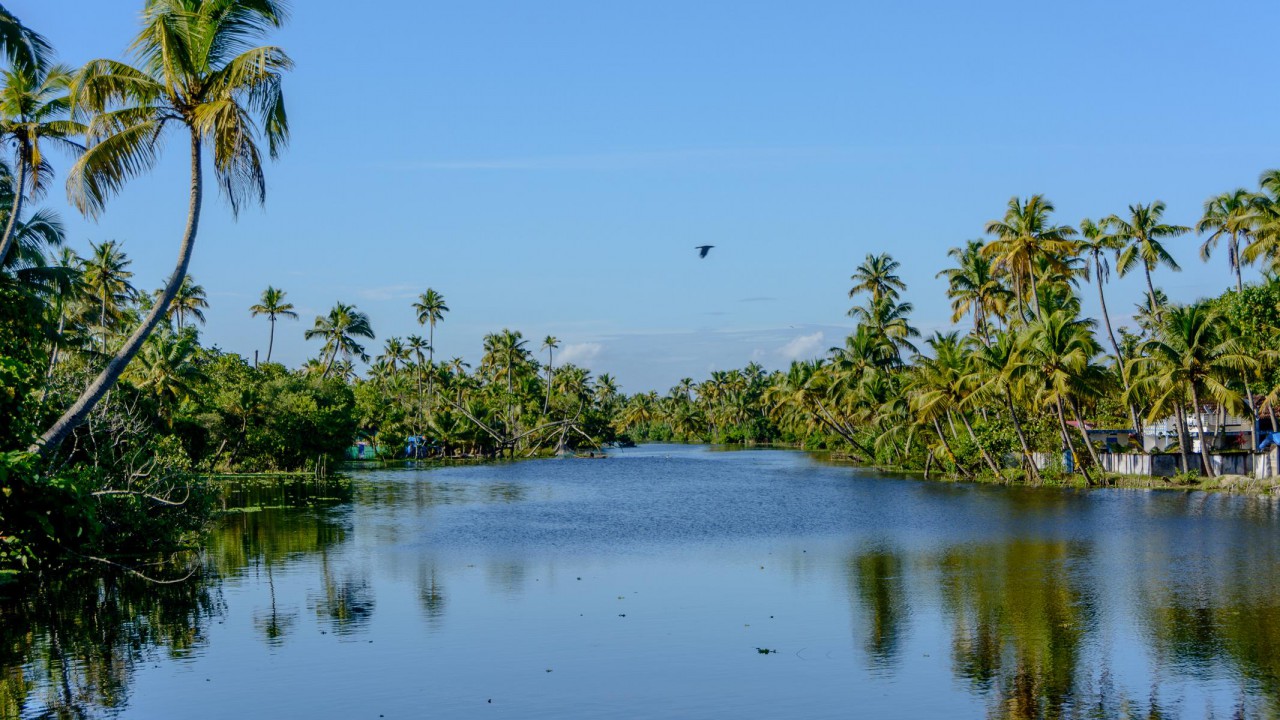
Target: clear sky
x: 549, y: 166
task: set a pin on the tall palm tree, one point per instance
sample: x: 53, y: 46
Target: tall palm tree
x: 1266, y: 226
x: 273, y: 305
x: 1058, y: 349
x: 1191, y: 358
x: 876, y: 276
x: 1232, y: 215
x: 1142, y: 234
x: 999, y: 370
x: 431, y: 309
x: 198, y: 71
x: 190, y: 300
x: 106, y: 280
x: 549, y: 343
x: 974, y: 288
x: 1025, y: 235
x: 339, y: 330
x: 34, y: 111
x: 394, y: 352
x: 1095, y: 244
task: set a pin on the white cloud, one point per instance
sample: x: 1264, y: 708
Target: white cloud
x: 579, y: 354
x: 803, y: 346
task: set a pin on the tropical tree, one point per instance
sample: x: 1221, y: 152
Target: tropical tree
x: 1095, y: 244
x: 1232, y: 215
x: 1191, y: 357
x: 974, y: 288
x: 1025, y: 236
x: 549, y: 343
x: 197, y: 70
x: 190, y: 300
x: 876, y: 276
x: 273, y: 305
x: 106, y: 279
x: 34, y: 112
x: 431, y: 309
x: 1058, y: 349
x: 1141, y: 235
x: 339, y: 330
x: 21, y: 45
x: 166, y: 368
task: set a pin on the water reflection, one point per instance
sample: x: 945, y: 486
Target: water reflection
x: 70, y: 648
x: 1025, y: 604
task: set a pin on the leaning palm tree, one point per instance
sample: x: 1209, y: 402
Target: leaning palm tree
x: 339, y: 330
x: 273, y: 306
x: 1141, y: 235
x: 34, y: 113
x: 1095, y: 244
x: 1024, y: 236
x: 431, y: 309
x: 199, y: 72
x: 1232, y: 215
x: 1058, y: 349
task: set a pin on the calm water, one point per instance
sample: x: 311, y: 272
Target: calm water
x: 646, y: 586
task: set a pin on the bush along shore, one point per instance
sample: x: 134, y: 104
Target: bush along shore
x: 114, y: 414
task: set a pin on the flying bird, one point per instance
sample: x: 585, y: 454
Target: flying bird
x: 703, y: 250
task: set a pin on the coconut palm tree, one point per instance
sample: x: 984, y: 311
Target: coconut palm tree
x: 974, y: 288
x: 1058, y: 349
x: 394, y: 352
x: 34, y: 113
x: 106, y: 280
x: 272, y: 305
x: 190, y: 300
x: 1025, y: 235
x: 876, y: 276
x: 166, y: 368
x: 1095, y: 244
x: 198, y: 71
x: 1141, y: 235
x: 21, y: 45
x: 1266, y: 227
x: 999, y: 370
x: 1232, y: 215
x: 431, y: 309
x: 339, y: 330
x: 549, y: 343
x: 1192, y: 357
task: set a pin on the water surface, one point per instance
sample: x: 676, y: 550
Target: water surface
x: 647, y: 585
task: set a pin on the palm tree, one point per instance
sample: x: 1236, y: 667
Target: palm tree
x: 504, y: 353
x: 273, y: 306
x: 1141, y: 235
x: 1192, y: 357
x: 974, y: 288
x: 106, y: 280
x: 431, y: 309
x: 197, y: 71
x: 1266, y: 225
x: 190, y: 300
x: 999, y: 370
x: 34, y: 109
x: 339, y: 330
x: 167, y: 369
x: 876, y: 276
x: 20, y: 44
x: 1095, y: 243
x: 1058, y: 349
x: 1232, y: 215
x: 1025, y: 236
x: 393, y: 353
x: 549, y: 343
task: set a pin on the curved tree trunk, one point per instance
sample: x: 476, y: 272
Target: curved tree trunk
x: 1184, y: 438
x: 974, y: 437
x: 1071, y: 446
x: 1120, y: 364
x: 102, y: 384
x: 1093, y: 454
x: 1022, y: 440
x: 937, y: 428
x: 7, y: 241
x: 271, y: 339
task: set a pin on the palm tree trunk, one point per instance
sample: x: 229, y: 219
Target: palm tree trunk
x: 1156, y: 310
x: 77, y: 413
x: 974, y: 437
x: 1022, y: 440
x: 1035, y: 292
x: 1184, y: 438
x: 937, y: 428
x: 1234, y: 251
x: 271, y: 339
x: 1071, y: 446
x: 1120, y: 366
x: 8, y: 240
x: 431, y: 364
x: 547, y: 402
x: 1204, y: 445
x: 1084, y: 433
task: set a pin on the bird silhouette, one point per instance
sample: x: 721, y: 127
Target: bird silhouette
x: 703, y: 250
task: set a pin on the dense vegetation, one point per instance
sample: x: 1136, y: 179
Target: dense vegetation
x: 112, y: 410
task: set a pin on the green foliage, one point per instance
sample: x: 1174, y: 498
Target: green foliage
x: 22, y: 362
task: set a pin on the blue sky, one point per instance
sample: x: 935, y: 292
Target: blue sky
x: 549, y: 166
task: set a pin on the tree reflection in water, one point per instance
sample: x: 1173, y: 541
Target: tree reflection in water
x: 876, y: 580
